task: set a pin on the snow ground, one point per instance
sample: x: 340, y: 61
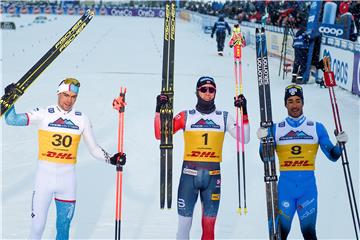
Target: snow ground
x: 127, y: 51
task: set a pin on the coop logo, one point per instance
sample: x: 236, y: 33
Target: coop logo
x: 331, y: 31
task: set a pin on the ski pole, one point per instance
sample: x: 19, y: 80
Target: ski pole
x: 330, y: 83
x: 236, y: 42
x: 119, y: 105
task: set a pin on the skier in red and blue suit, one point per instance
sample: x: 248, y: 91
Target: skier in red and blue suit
x: 297, y: 140
x: 204, y: 129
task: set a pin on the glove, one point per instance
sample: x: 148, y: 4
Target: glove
x: 241, y: 102
x: 262, y: 132
x: 212, y: 35
x: 341, y: 137
x: 118, y: 159
x: 320, y: 65
x: 161, y: 100
x: 10, y: 88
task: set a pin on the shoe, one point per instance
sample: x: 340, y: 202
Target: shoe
x: 220, y: 54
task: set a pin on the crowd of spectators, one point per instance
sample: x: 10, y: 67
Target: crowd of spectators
x: 277, y: 13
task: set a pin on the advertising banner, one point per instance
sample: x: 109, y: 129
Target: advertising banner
x: 356, y: 78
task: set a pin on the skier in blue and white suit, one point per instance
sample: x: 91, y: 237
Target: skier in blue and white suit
x: 297, y: 140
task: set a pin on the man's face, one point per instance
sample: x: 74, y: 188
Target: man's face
x: 207, y: 92
x: 66, y: 100
x: 294, y: 106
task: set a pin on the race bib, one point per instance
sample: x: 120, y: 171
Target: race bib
x: 203, y: 146
x: 293, y: 157
x: 58, y: 147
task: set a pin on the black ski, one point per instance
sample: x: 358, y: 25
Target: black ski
x: 8, y: 99
x: 166, y: 112
x: 268, y: 146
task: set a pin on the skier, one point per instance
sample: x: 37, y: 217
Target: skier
x: 237, y: 41
x: 297, y: 140
x: 301, y: 47
x: 204, y: 129
x: 60, y: 129
x: 220, y: 28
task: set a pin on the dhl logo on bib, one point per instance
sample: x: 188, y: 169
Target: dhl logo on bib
x: 293, y: 157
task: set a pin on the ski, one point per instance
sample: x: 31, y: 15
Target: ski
x: 166, y: 112
x: 267, y: 143
x: 9, y: 98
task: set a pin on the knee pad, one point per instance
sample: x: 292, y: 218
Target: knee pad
x: 64, y: 214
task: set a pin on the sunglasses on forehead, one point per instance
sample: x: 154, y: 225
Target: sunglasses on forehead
x: 294, y: 86
x: 207, y: 89
x: 73, y: 81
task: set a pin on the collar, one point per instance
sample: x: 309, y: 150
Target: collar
x: 63, y: 111
x: 295, y: 122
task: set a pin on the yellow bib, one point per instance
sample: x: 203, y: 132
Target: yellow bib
x: 293, y: 157
x: 203, y: 146
x: 58, y: 147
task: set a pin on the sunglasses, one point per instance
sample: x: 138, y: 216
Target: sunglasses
x: 294, y: 86
x: 207, y: 89
x: 72, y: 81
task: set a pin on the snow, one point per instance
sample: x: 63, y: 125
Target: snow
x: 127, y: 51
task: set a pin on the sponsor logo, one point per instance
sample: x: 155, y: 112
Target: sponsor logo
x: 59, y: 155
x: 63, y: 123
x: 215, y: 197
x: 331, y: 31
x: 203, y: 154
x: 285, y: 204
x: 305, y: 204
x: 181, y: 203
x: 202, y: 123
x: 307, y: 214
x: 296, y: 163
x: 295, y: 135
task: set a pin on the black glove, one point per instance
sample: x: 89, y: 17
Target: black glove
x: 161, y: 100
x: 118, y: 159
x: 320, y: 65
x: 241, y: 102
x: 10, y: 88
x: 212, y: 35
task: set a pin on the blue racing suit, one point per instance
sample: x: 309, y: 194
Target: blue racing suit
x: 297, y: 141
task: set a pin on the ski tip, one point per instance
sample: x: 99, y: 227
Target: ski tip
x: 256, y: 30
x: 239, y: 211
x: 262, y: 29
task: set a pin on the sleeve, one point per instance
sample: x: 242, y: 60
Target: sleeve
x: 231, y: 127
x: 331, y: 152
x: 214, y: 28
x: 178, y: 123
x: 95, y: 150
x: 14, y: 119
x: 24, y: 119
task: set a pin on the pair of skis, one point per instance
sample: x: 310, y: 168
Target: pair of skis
x: 166, y: 112
x: 267, y: 143
x: 9, y: 98
x: 237, y: 42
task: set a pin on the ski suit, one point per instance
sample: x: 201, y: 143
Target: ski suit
x: 203, y: 142
x: 301, y: 47
x: 297, y: 142
x: 59, y: 134
x: 220, y: 28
